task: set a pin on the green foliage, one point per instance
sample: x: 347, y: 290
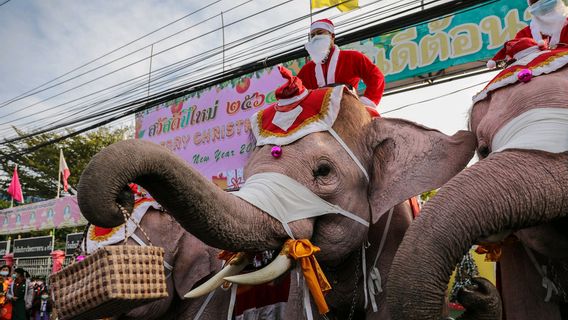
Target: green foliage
x: 428, y: 195
x: 38, y: 170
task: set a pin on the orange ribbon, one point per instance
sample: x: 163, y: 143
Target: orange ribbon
x: 303, y: 250
x: 493, y: 250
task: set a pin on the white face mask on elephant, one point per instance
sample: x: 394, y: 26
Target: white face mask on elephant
x: 287, y: 200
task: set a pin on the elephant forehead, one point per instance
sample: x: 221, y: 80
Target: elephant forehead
x: 300, y: 156
x: 504, y: 104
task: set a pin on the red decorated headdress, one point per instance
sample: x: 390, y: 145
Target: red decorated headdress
x: 297, y: 113
x: 324, y: 24
x: 539, y: 63
x: 515, y: 49
x: 291, y: 93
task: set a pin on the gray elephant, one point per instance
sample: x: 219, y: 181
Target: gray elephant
x: 355, y: 166
x: 187, y: 260
x: 516, y: 196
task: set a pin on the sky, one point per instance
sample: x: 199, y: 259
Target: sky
x: 42, y: 40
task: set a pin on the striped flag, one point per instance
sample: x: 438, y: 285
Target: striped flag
x: 63, y: 170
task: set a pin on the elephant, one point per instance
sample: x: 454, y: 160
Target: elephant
x: 514, y: 197
x: 191, y: 261
x: 400, y: 158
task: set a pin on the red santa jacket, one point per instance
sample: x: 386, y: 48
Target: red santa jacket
x: 526, y: 32
x: 352, y: 66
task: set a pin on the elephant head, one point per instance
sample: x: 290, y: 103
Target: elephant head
x: 187, y: 262
x: 519, y: 185
x: 378, y: 164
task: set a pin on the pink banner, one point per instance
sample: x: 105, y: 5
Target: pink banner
x: 56, y: 213
x: 210, y: 129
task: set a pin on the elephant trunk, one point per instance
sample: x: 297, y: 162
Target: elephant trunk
x: 214, y: 216
x: 508, y: 190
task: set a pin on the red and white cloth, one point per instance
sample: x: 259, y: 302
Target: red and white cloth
x: 346, y: 67
x: 540, y: 63
x: 98, y: 237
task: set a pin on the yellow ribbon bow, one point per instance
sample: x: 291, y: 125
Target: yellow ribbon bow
x: 303, y: 250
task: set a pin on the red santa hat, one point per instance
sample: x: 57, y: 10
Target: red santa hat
x: 291, y: 93
x: 324, y: 24
x: 297, y: 113
x: 515, y: 49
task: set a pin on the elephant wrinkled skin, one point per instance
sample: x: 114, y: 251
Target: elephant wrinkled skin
x: 403, y: 159
x: 520, y: 190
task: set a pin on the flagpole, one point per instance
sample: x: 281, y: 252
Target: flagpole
x: 12, y: 201
x: 311, y: 12
x: 59, y: 173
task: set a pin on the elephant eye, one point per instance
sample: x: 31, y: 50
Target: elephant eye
x: 483, y: 151
x: 322, y: 170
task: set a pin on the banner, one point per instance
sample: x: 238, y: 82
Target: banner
x: 33, y: 247
x: 210, y: 129
x: 72, y: 242
x: 447, y: 43
x: 55, y: 213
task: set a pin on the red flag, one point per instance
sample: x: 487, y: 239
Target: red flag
x: 63, y: 170
x: 15, y: 188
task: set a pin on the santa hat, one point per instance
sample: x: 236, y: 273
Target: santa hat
x: 515, y: 49
x: 291, y: 93
x: 324, y: 24
x: 540, y: 63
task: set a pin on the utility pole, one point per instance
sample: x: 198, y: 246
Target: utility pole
x: 150, y: 71
x: 223, y: 32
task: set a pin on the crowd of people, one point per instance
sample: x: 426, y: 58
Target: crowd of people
x: 23, y: 297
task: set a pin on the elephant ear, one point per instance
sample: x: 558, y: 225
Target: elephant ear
x: 409, y: 159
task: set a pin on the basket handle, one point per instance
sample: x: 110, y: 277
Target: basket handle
x: 82, y: 242
x: 127, y: 216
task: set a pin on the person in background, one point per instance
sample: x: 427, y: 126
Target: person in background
x: 41, y: 308
x: 18, y: 294
x: 548, y: 23
x: 329, y: 65
x: 5, y: 303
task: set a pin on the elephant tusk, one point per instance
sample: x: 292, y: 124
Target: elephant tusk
x: 275, y: 269
x: 235, y: 265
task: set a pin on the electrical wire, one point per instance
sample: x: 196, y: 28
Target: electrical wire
x: 99, y: 115
x: 32, y: 92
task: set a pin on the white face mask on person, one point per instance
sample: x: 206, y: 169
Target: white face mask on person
x: 318, y: 47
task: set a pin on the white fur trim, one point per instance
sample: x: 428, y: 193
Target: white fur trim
x: 330, y: 70
x: 289, y: 101
x: 367, y: 101
x: 491, y: 64
x: 332, y: 65
x: 526, y: 52
x: 546, y: 69
x: 322, y: 25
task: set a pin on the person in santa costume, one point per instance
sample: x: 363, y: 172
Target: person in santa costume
x: 548, y: 24
x: 329, y: 65
x: 514, y: 50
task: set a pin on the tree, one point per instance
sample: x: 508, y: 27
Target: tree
x: 38, y: 170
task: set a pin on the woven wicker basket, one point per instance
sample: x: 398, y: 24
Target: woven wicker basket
x: 110, y: 282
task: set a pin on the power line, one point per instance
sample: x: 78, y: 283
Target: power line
x: 31, y: 92
x: 3, y: 3
x: 165, y: 96
x: 434, y: 98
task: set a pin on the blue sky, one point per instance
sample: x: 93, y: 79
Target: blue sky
x: 41, y: 40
